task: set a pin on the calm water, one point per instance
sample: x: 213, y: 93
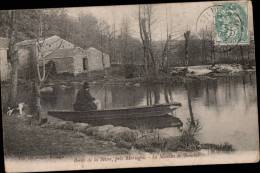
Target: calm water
x: 226, y: 108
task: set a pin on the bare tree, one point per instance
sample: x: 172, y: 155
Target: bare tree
x: 165, y: 51
x: 112, y: 43
x: 203, y: 46
x: 212, y: 48
x: 104, y: 35
x: 39, y: 65
x: 145, y: 23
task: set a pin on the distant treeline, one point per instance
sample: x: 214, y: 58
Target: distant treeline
x: 86, y: 30
x: 205, y: 52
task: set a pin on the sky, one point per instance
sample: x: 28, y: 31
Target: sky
x: 180, y: 17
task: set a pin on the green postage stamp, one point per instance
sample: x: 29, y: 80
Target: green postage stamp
x: 231, y: 23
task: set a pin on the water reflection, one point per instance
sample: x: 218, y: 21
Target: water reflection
x: 192, y: 120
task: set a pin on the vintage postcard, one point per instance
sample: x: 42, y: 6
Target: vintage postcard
x: 128, y: 86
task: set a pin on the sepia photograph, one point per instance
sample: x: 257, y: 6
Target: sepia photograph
x: 128, y: 86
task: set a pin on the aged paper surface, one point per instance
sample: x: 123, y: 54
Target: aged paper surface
x: 129, y: 86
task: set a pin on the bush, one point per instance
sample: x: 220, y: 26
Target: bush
x: 187, y: 141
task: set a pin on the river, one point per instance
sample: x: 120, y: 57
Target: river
x: 226, y: 108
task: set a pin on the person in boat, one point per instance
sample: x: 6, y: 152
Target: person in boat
x: 84, y: 100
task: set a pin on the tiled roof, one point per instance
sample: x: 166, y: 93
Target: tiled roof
x: 32, y: 41
x: 92, y: 49
x: 65, y: 53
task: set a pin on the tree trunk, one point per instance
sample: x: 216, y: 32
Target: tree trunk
x: 203, y: 47
x: 37, y: 101
x: 212, y: 51
x: 145, y: 34
x: 12, y: 55
x: 102, y: 53
x: 14, y: 81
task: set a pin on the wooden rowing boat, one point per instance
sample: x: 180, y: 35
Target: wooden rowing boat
x: 112, y: 114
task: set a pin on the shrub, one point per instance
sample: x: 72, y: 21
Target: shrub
x: 187, y: 141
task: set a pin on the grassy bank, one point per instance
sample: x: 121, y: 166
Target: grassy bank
x: 22, y: 139
x: 62, y: 139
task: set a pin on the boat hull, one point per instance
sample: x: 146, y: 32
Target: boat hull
x: 156, y: 122
x: 125, y: 113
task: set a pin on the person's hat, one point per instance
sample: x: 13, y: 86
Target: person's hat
x: 85, y: 85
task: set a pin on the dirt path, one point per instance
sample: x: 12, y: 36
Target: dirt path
x: 22, y: 140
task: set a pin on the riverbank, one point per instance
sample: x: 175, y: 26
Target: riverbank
x: 58, y: 139
x: 22, y: 140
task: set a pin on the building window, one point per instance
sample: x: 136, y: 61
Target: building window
x: 85, y: 63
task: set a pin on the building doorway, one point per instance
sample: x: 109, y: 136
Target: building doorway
x: 85, y: 64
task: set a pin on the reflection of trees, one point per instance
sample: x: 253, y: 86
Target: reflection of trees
x: 250, y: 79
x: 244, y: 85
x: 59, y: 99
x: 197, y: 89
x: 211, y: 93
x: 249, y: 91
x: 215, y: 86
x: 127, y: 96
x: 156, y: 92
x: 228, y: 89
x: 148, y: 96
x: 153, y: 95
x: 189, y: 105
x: 207, y: 94
x: 168, y: 94
x: 245, y: 95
